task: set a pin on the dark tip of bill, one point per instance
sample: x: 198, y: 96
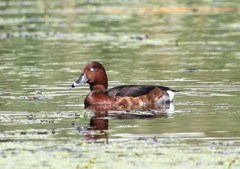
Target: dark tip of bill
x: 73, y: 86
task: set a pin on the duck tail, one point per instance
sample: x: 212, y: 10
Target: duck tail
x: 171, y: 94
x: 177, y: 91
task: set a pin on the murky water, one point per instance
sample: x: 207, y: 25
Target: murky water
x: 189, y: 47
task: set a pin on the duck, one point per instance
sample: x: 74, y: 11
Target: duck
x: 119, y: 97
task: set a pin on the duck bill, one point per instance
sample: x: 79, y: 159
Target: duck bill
x: 82, y: 79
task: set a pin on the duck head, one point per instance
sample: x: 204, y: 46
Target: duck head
x: 95, y: 75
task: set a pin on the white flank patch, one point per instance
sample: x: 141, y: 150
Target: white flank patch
x: 171, y: 109
x: 171, y: 95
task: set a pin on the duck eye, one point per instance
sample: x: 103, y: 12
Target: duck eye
x: 92, y: 69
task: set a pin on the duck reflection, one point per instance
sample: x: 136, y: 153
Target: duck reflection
x: 98, y: 126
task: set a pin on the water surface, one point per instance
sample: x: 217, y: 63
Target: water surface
x: 193, y: 47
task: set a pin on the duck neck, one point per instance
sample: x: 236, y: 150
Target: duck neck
x: 99, y: 87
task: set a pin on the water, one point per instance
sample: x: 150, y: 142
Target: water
x: 193, y: 47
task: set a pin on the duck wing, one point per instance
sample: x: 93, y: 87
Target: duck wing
x: 133, y: 90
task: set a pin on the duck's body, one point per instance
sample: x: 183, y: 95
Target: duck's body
x: 121, y: 96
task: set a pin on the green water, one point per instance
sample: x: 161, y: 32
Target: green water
x: 188, y: 46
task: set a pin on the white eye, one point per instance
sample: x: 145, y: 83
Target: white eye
x: 91, y: 69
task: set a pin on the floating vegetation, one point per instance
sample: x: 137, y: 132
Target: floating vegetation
x: 38, y: 96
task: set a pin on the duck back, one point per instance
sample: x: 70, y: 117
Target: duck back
x: 133, y: 90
